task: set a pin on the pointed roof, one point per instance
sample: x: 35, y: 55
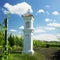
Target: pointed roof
x: 27, y: 15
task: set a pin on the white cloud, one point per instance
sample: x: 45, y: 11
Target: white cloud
x: 43, y: 29
x: 58, y: 34
x: 20, y: 8
x: 13, y: 30
x: 54, y: 24
x: 55, y: 13
x: 50, y: 28
x: 45, y: 37
x: 38, y: 30
x: 47, y: 20
x: 4, y: 11
x: 21, y: 27
x: 41, y: 11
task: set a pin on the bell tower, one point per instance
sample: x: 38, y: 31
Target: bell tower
x: 28, y: 32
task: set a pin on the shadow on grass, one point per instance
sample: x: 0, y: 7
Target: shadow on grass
x: 56, y: 55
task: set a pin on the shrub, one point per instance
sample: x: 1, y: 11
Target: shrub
x: 38, y: 43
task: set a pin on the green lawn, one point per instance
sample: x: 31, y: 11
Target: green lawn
x: 36, y: 56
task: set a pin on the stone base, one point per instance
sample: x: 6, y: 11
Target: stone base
x: 28, y: 52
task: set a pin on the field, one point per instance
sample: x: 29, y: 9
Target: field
x: 40, y: 54
x: 43, y: 50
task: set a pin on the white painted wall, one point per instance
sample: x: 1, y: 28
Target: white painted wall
x: 28, y: 42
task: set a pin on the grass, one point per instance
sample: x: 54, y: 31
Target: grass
x: 41, y: 51
x: 36, y: 56
x: 40, y: 54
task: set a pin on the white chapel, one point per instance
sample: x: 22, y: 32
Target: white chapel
x: 28, y: 33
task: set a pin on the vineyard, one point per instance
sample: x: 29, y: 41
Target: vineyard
x: 43, y: 50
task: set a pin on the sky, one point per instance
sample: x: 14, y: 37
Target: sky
x: 46, y: 17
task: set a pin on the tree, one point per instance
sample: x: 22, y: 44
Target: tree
x: 11, y: 40
x: 18, y: 41
x: 2, y: 29
x: 1, y: 38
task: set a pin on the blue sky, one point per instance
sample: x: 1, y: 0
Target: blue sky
x: 45, y: 12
